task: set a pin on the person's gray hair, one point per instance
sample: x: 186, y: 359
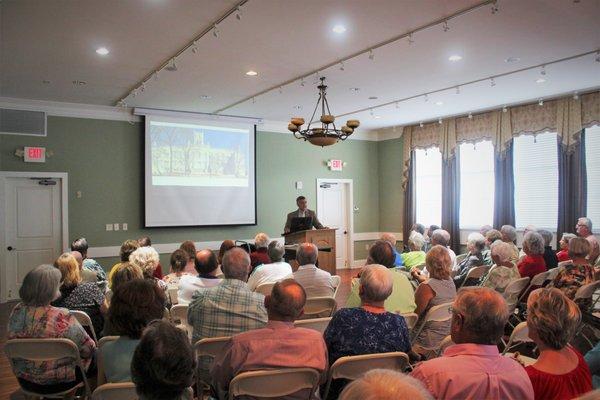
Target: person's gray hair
x: 502, y: 250
x: 146, y: 258
x: 485, y: 229
x: 547, y: 235
x: 492, y: 235
x: 416, y: 241
x: 568, y: 236
x: 261, y: 240
x: 510, y: 232
x: 534, y: 242
x: 276, y: 250
x: 441, y: 237
x: 236, y: 264
x: 586, y: 221
x: 484, y: 312
x: 389, y: 237
x: 307, y: 254
x: 376, y: 282
x: 385, y: 384
x: 41, y: 286
x: 477, y: 240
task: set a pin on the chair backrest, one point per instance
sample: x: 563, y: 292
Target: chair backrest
x: 519, y: 335
x: 336, y: 282
x: 273, y: 383
x: 512, y: 292
x: 211, y: 346
x: 172, y: 294
x: 446, y: 342
x: 461, y: 257
x: 264, y: 288
x: 537, y: 280
x: 85, y: 321
x: 411, y: 319
x: 318, y: 324
x: 115, y: 391
x: 437, y: 313
x: 319, y: 307
x: 100, y: 358
x: 586, y: 291
x: 179, y: 317
x: 475, y: 273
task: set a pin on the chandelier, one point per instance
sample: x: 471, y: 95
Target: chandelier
x: 326, y: 134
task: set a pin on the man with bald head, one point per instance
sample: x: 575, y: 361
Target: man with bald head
x: 473, y: 368
x: 315, y: 281
x: 207, y: 267
x: 278, y: 345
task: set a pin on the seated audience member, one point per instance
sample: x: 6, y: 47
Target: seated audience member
x: 528, y: 228
x: 128, y: 247
x: 225, y: 246
x: 228, y: 308
x: 592, y: 358
x: 563, y: 252
x: 442, y: 238
x: 163, y: 363
x: 81, y: 245
x: 576, y: 272
x: 509, y: 235
x: 205, y: 277
x: 391, y: 238
x: 147, y: 259
x: 275, y: 271
x: 416, y: 255
x: 385, y: 384
x: 179, y: 261
x: 367, y: 329
x: 474, y: 258
x: 560, y: 372
x: 485, y: 229
x: 133, y: 305
x: 402, y: 298
x: 278, y: 345
x: 86, y: 274
x: 34, y: 317
x: 533, y: 263
x: 190, y: 250
x: 473, y: 368
x: 428, y: 244
x: 77, y: 295
x: 503, y: 271
x: 436, y: 290
x: 491, y: 236
x: 550, y: 257
x: 123, y: 272
x: 145, y: 241
x: 315, y: 281
x: 260, y: 255
x: 419, y: 228
x: 584, y: 230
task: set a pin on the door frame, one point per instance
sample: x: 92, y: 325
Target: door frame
x: 349, y: 211
x: 64, y: 200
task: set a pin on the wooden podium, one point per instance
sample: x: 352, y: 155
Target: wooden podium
x: 324, y: 239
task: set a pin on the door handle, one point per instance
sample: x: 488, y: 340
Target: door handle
x: 10, y: 248
x: 345, y: 232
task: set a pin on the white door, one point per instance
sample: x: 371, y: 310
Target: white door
x: 333, y: 212
x: 33, y: 227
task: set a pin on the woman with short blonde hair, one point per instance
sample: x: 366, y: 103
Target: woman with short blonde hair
x: 560, y: 372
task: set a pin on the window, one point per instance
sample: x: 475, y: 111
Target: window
x: 428, y: 187
x: 535, y: 169
x: 476, y: 184
x: 592, y: 164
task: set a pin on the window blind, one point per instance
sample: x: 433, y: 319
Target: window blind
x: 428, y: 187
x: 476, y: 184
x: 592, y: 161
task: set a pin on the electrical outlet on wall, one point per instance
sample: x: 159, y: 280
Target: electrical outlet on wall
x: 109, y: 227
x: 366, y: 247
x: 124, y: 226
x: 116, y: 227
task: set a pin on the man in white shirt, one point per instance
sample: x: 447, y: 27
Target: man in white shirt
x: 584, y: 229
x: 275, y: 271
x: 442, y: 237
x: 315, y: 281
x: 206, y: 265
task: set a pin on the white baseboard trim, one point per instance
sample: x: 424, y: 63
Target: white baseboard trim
x: 359, y: 263
x: 363, y: 236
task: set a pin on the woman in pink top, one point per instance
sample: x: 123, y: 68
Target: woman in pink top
x: 560, y: 371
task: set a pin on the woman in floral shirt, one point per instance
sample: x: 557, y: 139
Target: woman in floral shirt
x: 34, y: 317
x: 577, y: 272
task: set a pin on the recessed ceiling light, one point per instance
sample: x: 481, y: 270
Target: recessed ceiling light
x: 455, y: 57
x: 540, y: 80
x: 439, y: 103
x: 512, y: 59
x: 205, y: 97
x: 297, y: 107
x: 251, y: 73
x: 339, y: 28
x: 102, y: 51
x: 354, y: 89
x: 79, y: 83
x: 373, y: 97
x: 46, y: 82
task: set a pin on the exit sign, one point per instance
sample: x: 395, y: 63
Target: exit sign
x: 35, y: 154
x: 335, y: 165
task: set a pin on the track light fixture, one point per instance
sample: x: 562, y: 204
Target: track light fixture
x: 172, y: 66
x: 410, y: 38
x: 543, y: 70
x: 504, y: 109
x: 215, y: 31
x: 492, y: 82
x: 426, y: 97
x: 371, y: 55
x: 421, y: 124
x: 440, y: 121
x: 397, y: 105
x: 195, y: 47
x: 598, y: 56
x: 342, y: 66
x: 540, y: 102
x: 495, y: 8
x: 458, y: 90
x: 445, y: 26
x: 238, y: 13
x: 302, y: 83
x: 575, y: 96
x: 470, y: 116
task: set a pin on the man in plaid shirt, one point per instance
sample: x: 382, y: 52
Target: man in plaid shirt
x: 228, y: 308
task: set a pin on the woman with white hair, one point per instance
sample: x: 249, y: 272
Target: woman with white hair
x: 385, y: 384
x: 416, y: 255
x: 533, y: 263
x: 261, y: 254
x: 503, y: 271
x: 146, y: 258
x: 34, y: 317
x: 474, y: 258
x: 560, y: 371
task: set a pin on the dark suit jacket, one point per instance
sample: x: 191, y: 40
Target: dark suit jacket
x: 307, y: 213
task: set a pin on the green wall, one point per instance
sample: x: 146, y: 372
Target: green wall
x: 104, y: 161
x: 391, y: 198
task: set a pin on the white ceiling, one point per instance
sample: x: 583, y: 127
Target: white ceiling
x: 55, y: 41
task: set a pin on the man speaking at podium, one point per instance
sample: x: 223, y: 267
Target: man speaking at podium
x: 302, y: 212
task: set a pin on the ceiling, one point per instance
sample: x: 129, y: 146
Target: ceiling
x: 46, y: 46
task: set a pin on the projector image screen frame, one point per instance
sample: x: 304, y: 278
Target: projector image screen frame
x: 199, y: 172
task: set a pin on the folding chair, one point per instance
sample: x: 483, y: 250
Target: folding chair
x: 100, y: 358
x: 264, y: 288
x: 445, y: 343
x: 319, y: 307
x: 172, y: 294
x: 210, y: 347
x: 475, y: 273
x: 85, y: 321
x: 318, y: 324
x: 538, y: 280
x: 461, y: 257
x: 115, y: 391
x: 586, y: 292
x: 439, y: 313
x: 410, y: 318
x: 353, y: 367
x: 554, y: 271
x: 336, y: 281
x: 179, y: 317
x: 47, y: 350
x: 519, y: 335
x: 512, y: 293
x: 273, y: 383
